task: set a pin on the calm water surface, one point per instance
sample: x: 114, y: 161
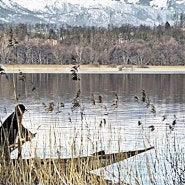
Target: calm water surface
x: 111, y: 126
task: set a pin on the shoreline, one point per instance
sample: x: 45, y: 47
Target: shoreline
x: 34, y: 68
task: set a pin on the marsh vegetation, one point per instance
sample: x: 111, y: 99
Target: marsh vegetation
x: 77, y: 114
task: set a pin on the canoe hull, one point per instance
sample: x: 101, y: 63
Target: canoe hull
x: 86, y: 163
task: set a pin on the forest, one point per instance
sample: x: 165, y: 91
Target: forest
x: 124, y: 45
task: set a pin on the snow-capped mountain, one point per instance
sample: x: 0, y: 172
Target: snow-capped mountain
x: 90, y: 12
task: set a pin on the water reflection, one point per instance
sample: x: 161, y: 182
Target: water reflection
x: 102, y: 126
x: 162, y: 87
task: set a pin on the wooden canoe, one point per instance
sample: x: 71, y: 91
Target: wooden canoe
x: 87, y: 163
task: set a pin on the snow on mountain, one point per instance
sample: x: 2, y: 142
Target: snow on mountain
x: 159, y: 3
x: 91, y: 12
x: 34, y: 5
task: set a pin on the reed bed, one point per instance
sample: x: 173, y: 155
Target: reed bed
x: 160, y: 166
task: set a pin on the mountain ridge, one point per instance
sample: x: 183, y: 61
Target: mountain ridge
x: 90, y: 13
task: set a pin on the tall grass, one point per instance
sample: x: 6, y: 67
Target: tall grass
x: 162, y: 166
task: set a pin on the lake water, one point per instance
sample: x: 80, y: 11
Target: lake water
x: 75, y: 126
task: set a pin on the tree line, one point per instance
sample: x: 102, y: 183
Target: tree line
x: 124, y: 45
